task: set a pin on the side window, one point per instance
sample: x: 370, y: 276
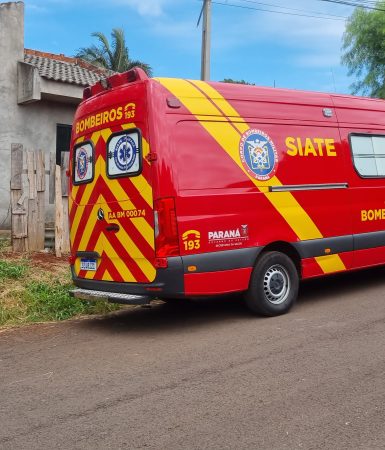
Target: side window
x: 368, y: 154
x: 83, y: 163
x: 124, y: 154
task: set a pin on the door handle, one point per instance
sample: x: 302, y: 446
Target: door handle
x: 114, y: 227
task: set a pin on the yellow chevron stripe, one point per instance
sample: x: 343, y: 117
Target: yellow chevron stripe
x: 228, y: 138
x: 107, y: 276
x: 140, y: 223
x: 89, y: 227
x: 104, y: 246
x: 138, y: 257
x: 83, y: 202
x: 125, y: 203
x: 330, y: 263
x: 79, y: 212
x: 146, y: 267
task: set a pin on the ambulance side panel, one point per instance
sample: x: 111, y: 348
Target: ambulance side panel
x: 362, y: 128
x: 225, y: 218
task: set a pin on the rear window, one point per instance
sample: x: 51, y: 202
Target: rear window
x: 124, y: 154
x: 368, y: 154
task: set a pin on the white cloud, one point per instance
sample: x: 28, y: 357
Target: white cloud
x: 152, y: 8
x: 147, y: 7
x: 311, y: 42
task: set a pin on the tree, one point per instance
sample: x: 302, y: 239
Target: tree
x: 364, y: 47
x: 113, y: 57
x: 230, y: 80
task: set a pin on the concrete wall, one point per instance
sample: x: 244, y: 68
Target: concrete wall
x: 34, y: 124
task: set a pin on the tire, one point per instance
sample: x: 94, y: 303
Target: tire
x: 273, y: 286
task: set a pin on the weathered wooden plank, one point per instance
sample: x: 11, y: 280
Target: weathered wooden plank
x: 58, y: 213
x: 19, y: 221
x: 16, y: 166
x: 40, y: 171
x: 31, y: 174
x: 65, y: 158
x: 52, y: 172
x: 32, y: 225
x: 66, y: 231
x: 40, y: 236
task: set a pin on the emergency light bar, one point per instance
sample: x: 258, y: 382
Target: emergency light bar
x: 118, y: 79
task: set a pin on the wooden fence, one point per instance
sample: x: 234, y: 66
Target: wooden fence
x: 30, y: 194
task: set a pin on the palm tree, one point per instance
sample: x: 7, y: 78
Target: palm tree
x: 113, y: 57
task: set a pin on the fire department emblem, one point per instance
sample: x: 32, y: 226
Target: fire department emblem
x: 82, y: 164
x: 125, y: 153
x: 258, y: 154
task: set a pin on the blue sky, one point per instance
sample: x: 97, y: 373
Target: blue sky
x: 261, y: 47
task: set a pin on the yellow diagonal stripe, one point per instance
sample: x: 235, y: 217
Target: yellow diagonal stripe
x: 83, y: 202
x: 330, y: 263
x: 126, y: 241
x: 104, y: 246
x: 125, y: 203
x: 192, y: 96
x: 107, y: 276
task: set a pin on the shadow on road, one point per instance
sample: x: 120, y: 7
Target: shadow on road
x: 173, y: 316
x: 341, y: 284
x: 185, y: 314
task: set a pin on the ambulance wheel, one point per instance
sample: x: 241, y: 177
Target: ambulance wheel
x: 273, y: 286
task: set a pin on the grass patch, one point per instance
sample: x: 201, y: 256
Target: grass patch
x: 5, y: 243
x: 11, y: 269
x: 36, y: 290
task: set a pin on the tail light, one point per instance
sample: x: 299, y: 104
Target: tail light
x: 166, y: 230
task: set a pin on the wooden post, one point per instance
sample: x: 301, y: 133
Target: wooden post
x: 32, y: 202
x: 18, y: 201
x: 64, y: 194
x: 58, y: 214
x: 40, y: 187
x: 52, y: 175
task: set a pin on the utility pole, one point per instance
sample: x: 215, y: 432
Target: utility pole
x: 206, y: 38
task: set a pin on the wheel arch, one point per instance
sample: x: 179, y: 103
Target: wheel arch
x: 285, y: 248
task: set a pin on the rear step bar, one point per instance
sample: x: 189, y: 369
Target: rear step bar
x: 113, y: 297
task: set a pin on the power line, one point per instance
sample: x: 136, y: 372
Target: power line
x: 290, y: 9
x: 356, y: 4
x: 323, y: 16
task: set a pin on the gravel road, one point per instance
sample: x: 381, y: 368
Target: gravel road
x: 206, y: 375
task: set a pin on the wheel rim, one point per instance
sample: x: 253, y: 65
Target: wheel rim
x: 276, y: 284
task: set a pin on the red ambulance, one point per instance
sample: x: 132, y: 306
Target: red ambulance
x: 183, y: 189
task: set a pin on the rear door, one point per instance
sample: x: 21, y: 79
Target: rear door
x: 111, y: 204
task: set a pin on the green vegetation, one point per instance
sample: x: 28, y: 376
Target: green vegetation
x: 230, y: 80
x: 13, y: 270
x: 35, y: 289
x: 364, y: 50
x: 114, y: 56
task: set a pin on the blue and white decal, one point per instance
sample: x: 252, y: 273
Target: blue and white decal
x: 123, y: 154
x: 83, y: 163
x: 258, y: 154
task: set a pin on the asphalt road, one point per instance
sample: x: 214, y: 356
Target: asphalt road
x: 204, y: 376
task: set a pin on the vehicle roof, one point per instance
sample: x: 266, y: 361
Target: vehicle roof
x: 349, y: 108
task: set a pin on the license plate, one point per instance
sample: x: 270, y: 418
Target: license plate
x: 88, y: 264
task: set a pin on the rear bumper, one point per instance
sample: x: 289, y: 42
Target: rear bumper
x: 112, y: 297
x: 168, y: 283
x: 214, y: 273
